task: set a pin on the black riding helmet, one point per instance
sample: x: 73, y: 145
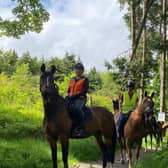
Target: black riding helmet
x: 130, y: 83
x: 79, y: 66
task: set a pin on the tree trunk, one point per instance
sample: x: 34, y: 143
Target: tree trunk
x: 163, y: 59
x: 143, y: 55
x: 133, y: 23
x: 135, y: 46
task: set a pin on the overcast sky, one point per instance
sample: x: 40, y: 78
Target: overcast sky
x: 91, y: 29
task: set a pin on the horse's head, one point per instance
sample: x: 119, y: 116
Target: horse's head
x: 116, y: 104
x: 147, y: 105
x: 47, y: 86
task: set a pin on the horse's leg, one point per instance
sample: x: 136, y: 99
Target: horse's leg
x: 158, y: 141
x: 109, y: 151
x: 111, y: 145
x: 64, y: 146
x: 102, y: 147
x: 121, y: 150
x: 53, y: 145
x: 146, y: 144
x: 139, y: 143
x: 128, y: 147
x: 151, y: 140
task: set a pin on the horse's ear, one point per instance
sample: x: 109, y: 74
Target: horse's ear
x: 53, y: 69
x: 43, y: 68
x: 152, y: 95
x: 146, y: 93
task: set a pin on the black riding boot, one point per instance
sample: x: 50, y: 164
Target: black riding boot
x: 80, y: 130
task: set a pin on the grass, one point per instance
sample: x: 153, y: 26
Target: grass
x: 156, y: 160
x: 23, y: 143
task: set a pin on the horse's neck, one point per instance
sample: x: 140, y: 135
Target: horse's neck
x: 52, y: 105
x: 140, y: 108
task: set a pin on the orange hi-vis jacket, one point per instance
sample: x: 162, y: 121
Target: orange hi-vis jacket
x: 78, y: 86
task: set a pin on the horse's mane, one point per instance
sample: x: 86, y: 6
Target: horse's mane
x: 53, y: 102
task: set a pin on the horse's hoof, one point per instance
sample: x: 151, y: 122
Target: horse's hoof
x: 122, y: 161
x: 129, y: 166
x: 109, y: 165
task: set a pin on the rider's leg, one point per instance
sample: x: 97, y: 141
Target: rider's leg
x: 120, y: 126
x: 79, y: 104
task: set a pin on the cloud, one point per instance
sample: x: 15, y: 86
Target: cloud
x: 91, y: 29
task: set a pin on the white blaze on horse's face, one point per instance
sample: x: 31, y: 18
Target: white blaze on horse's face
x: 148, y: 105
x: 47, y: 82
x: 147, y: 109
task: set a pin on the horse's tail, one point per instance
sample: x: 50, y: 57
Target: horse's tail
x: 114, y: 139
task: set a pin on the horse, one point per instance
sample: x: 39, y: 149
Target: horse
x: 116, y: 118
x: 160, y: 132
x: 138, y: 126
x: 58, y: 123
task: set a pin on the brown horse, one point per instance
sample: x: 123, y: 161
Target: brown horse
x: 58, y: 124
x: 138, y: 125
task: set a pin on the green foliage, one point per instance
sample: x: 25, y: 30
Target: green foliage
x: 158, y: 159
x: 8, y: 61
x: 68, y: 63
x: 32, y: 62
x: 20, y: 90
x: 123, y: 70
x: 109, y: 86
x: 103, y: 101
x: 30, y: 16
x: 95, y: 80
x: 63, y: 86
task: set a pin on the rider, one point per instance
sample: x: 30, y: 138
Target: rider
x: 127, y: 102
x: 78, y: 88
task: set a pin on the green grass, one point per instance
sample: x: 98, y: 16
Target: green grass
x: 23, y: 143
x: 156, y: 160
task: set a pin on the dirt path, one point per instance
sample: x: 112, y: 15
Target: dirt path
x: 98, y: 164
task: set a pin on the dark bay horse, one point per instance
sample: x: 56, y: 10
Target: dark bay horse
x: 162, y: 132
x: 138, y: 126
x: 58, y: 124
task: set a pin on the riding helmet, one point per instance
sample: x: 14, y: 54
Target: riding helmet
x: 79, y: 66
x: 130, y: 83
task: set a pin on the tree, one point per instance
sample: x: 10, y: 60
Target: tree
x: 32, y: 62
x: 8, y: 60
x: 163, y: 58
x: 69, y: 63
x: 120, y: 71
x: 143, y: 55
x: 29, y: 16
x: 148, y: 6
x: 95, y: 80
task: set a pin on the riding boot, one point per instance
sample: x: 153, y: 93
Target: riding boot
x: 80, y: 130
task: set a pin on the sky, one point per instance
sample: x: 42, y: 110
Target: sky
x: 94, y: 30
